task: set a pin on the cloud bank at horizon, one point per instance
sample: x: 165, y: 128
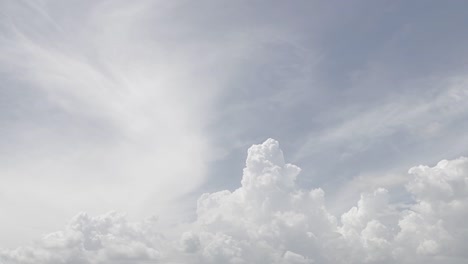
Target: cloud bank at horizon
x: 269, y: 219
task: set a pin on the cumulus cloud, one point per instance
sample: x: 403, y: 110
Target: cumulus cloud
x: 269, y: 219
x: 107, y: 238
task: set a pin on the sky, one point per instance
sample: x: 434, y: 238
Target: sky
x: 208, y: 131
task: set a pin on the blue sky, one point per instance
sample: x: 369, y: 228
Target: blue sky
x: 143, y: 106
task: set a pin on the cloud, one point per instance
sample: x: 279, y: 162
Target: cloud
x: 101, y: 95
x: 435, y: 224
x: 269, y: 219
x: 107, y: 238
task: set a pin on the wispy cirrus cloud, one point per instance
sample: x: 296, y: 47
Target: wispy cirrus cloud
x: 103, y: 95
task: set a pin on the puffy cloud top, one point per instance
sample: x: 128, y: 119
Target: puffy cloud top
x: 269, y: 219
x: 108, y: 238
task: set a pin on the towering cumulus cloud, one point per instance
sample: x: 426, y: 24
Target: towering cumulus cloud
x: 269, y: 219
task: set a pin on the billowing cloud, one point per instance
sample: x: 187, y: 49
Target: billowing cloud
x: 269, y: 219
x: 104, y: 239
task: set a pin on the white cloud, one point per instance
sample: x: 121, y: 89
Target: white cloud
x: 436, y: 223
x: 104, y: 239
x: 270, y: 220
x: 123, y: 105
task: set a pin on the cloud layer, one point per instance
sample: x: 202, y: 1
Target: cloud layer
x: 269, y: 219
x: 156, y: 101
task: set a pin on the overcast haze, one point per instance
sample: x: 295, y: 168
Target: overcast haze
x: 166, y: 131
